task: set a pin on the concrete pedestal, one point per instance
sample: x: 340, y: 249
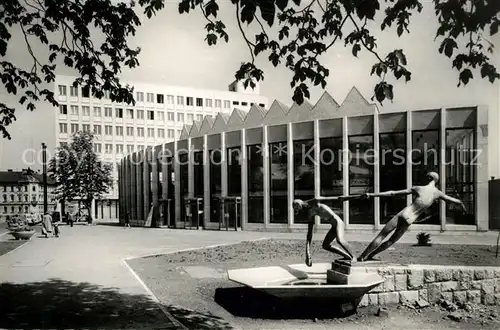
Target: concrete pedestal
x: 351, y: 273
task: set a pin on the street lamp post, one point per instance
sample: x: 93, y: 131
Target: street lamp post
x: 44, y: 160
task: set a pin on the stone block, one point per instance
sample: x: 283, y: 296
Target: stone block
x: 489, y: 273
x: 448, y: 296
x: 497, y: 299
x: 389, y: 284
x: 479, y: 274
x: 364, y: 301
x: 476, y: 285
x: 400, y: 270
x: 388, y: 298
x: 400, y: 282
x: 373, y: 299
x: 429, y: 276
x: 408, y: 296
x: 423, y: 294
x: 496, y: 271
x: 434, y: 292
x: 456, y: 275
x: 443, y: 275
x: 384, y: 271
x: 415, y: 279
x: 449, y: 286
x: 460, y: 297
x: 488, y: 292
x: 464, y: 279
x: 474, y: 296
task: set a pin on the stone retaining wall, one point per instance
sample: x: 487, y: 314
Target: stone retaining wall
x: 457, y: 284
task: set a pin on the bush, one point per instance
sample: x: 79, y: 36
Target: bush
x: 423, y: 239
x: 17, y: 223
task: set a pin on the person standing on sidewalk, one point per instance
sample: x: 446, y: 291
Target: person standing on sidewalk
x: 71, y: 219
x: 127, y: 220
x: 47, y: 224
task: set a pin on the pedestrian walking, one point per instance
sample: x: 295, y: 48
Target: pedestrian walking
x: 71, y: 219
x: 47, y: 227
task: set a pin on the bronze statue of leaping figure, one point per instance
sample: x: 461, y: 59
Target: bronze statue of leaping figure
x: 423, y: 198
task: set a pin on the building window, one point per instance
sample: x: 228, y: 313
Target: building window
x: 244, y: 103
x: 161, y: 133
x: 179, y: 132
x: 218, y: 103
x: 151, y: 132
x: 199, y: 117
x: 170, y: 99
x: 97, y: 148
x: 108, y: 130
x: 278, y: 184
x: 190, y: 117
x: 140, y: 148
x: 86, y: 127
x: 73, y: 91
x: 108, y: 148
x: 63, y: 144
x: 180, y: 100
x: 74, y: 128
x: 170, y: 116
x: 160, y: 99
x: 63, y: 109
x: 303, y: 169
x: 130, y: 148
x: 119, y: 148
x: 63, y: 128
x: 62, y: 90
x: 161, y: 116
x: 151, y: 115
x: 139, y: 96
x: 119, y: 131
x: 140, y: 131
x: 140, y: 114
x: 106, y: 95
x: 236, y: 103
x: 74, y: 110
x: 119, y: 113
x: 97, y: 111
x: 86, y: 110
x: 199, y: 102
x: 108, y: 112
x: 150, y: 97
x: 130, y: 131
x: 97, y: 129
x: 189, y: 101
x: 170, y: 133
x: 180, y: 117
x: 208, y: 103
x: 130, y: 113
x: 227, y: 104
x: 262, y: 105
x: 86, y: 92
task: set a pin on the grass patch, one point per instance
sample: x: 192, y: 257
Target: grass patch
x: 6, y: 247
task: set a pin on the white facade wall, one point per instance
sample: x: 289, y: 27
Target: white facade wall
x: 169, y: 117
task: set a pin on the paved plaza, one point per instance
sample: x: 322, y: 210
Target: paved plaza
x: 90, y: 259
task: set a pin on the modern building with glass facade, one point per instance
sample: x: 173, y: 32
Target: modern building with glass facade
x: 243, y: 171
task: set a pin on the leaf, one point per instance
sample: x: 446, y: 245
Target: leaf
x: 267, y: 11
x: 400, y: 30
x: 355, y: 49
x: 281, y: 4
x: 465, y: 76
x: 248, y: 12
x: 211, y: 39
x: 494, y: 27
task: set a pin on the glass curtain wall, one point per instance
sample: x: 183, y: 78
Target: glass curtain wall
x: 392, y: 160
x: 170, y: 220
x: 198, y: 173
x: 426, y: 158
x: 215, y: 184
x: 255, y: 167
x: 361, y: 178
x: 331, y: 179
x: 303, y: 170
x: 233, y: 171
x: 460, y: 172
x: 278, y: 182
x: 184, y: 182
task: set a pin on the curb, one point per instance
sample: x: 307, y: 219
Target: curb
x: 153, y: 296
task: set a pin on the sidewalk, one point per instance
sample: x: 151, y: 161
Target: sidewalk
x: 85, y: 269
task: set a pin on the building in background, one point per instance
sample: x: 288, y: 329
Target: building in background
x: 22, y: 192
x: 245, y: 170
x: 157, y: 117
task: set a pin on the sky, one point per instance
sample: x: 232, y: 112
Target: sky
x: 174, y: 52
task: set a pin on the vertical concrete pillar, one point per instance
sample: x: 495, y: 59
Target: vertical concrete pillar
x: 317, y: 165
x: 154, y: 177
x: 132, y: 188
x: 409, y: 155
x: 177, y: 185
x: 164, y: 163
x: 376, y: 170
x: 267, y: 183
x: 244, y: 180
x: 190, y: 168
x: 442, y: 165
x: 139, y: 186
x: 223, y: 167
x: 345, y: 167
x: 119, y: 169
x: 146, y: 186
x: 290, y: 174
x: 206, y: 181
x: 481, y: 200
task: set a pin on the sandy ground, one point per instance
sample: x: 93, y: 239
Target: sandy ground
x: 171, y: 279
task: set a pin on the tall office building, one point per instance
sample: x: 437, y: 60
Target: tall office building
x: 157, y: 117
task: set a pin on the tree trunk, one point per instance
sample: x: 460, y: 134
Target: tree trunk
x: 88, y: 206
x: 63, y: 211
